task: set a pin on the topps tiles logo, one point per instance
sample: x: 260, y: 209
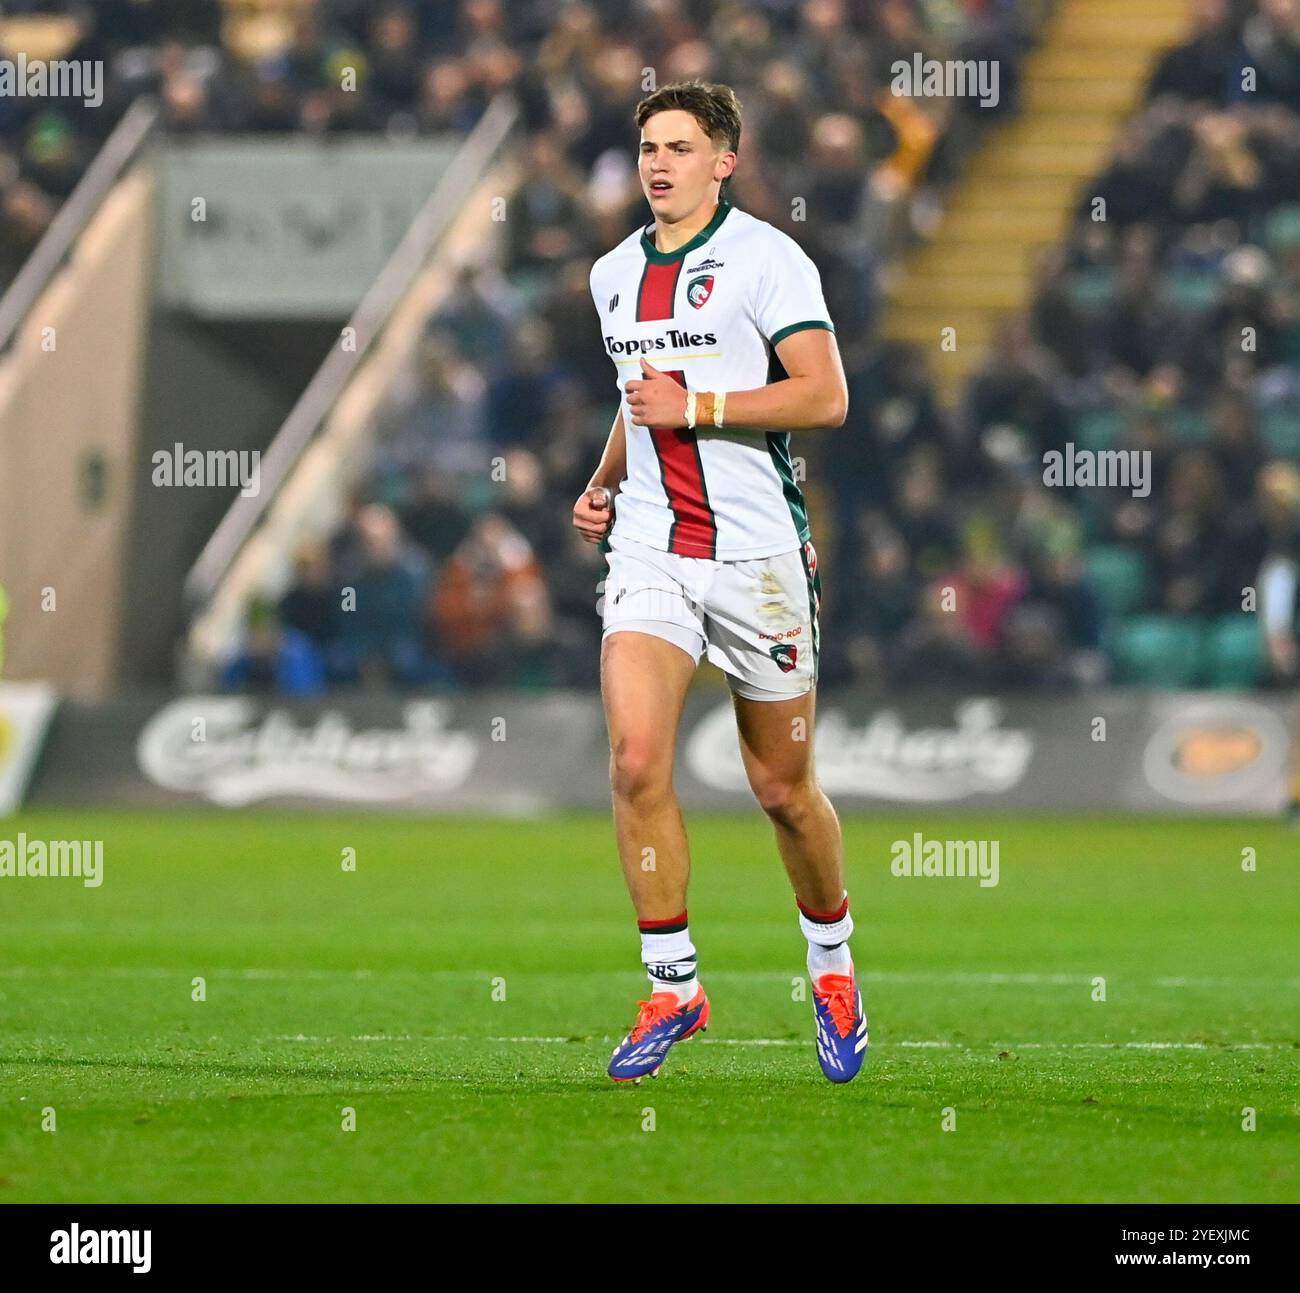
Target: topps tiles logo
x: 673, y: 339
x: 77, y: 1247
x: 38, y: 78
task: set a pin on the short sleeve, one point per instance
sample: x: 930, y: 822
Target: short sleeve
x: 788, y: 293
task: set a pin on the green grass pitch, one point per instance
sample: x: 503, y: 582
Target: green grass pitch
x: 378, y: 990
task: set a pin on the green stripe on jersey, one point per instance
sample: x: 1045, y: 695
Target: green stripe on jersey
x: 778, y: 447
x: 782, y: 333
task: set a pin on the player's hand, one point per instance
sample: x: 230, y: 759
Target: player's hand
x: 655, y: 399
x: 593, y: 513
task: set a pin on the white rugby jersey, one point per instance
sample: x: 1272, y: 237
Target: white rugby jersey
x: 709, y: 314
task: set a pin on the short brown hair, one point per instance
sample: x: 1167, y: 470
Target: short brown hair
x: 714, y: 107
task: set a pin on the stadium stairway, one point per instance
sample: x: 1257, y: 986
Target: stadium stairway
x: 1015, y: 196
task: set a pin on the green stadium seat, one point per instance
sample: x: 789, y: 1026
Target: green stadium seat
x: 1098, y: 429
x: 1279, y: 429
x: 1234, y: 652
x: 1188, y: 425
x: 1158, y: 651
x: 1282, y: 229
x: 1092, y: 290
x: 1189, y: 291
x: 1094, y: 513
x: 1120, y: 577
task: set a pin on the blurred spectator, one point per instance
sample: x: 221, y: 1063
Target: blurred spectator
x: 274, y: 658
x: 861, y: 634
x: 490, y: 611
x: 1200, y: 68
x: 379, y: 641
x: 438, y: 422
x: 984, y: 589
x: 434, y: 516
x: 922, y: 514
x: 1054, y: 634
x: 312, y: 604
x: 1277, y: 544
x: 516, y: 400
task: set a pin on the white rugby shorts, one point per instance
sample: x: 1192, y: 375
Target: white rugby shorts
x: 756, y: 619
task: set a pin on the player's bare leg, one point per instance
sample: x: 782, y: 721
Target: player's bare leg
x: 643, y: 683
x: 776, y: 745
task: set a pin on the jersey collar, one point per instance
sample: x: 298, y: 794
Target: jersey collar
x: 657, y: 257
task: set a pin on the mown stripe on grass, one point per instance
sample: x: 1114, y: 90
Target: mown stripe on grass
x: 808, y: 1041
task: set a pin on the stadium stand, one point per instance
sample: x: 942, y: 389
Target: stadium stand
x: 1171, y: 325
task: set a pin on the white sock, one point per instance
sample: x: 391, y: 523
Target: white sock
x: 828, y: 942
x: 670, y: 962
x: 828, y: 960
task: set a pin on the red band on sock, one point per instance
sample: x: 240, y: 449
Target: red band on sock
x: 649, y: 926
x: 826, y: 917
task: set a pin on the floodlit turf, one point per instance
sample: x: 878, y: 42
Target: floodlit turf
x: 378, y: 991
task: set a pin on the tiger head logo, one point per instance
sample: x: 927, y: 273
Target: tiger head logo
x: 785, y: 655
x: 698, y: 290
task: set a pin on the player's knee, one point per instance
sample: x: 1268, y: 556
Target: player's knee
x: 638, y: 770
x: 787, y: 802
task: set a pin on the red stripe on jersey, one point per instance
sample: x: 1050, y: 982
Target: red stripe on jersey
x: 658, y: 288
x: 694, y: 531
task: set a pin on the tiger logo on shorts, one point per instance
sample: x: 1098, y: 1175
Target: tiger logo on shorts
x: 785, y: 656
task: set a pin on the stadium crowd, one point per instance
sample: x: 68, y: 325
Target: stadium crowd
x: 1171, y: 324
x: 470, y: 571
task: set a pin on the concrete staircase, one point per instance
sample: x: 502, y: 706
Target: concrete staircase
x: 1012, y: 203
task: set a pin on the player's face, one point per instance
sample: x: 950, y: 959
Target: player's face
x: 680, y: 166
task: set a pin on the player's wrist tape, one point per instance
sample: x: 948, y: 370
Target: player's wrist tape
x: 705, y: 406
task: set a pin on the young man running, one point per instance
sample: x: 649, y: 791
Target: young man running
x: 722, y: 346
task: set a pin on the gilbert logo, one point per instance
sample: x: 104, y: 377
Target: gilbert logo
x: 698, y: 290
x: 77, y: 1247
